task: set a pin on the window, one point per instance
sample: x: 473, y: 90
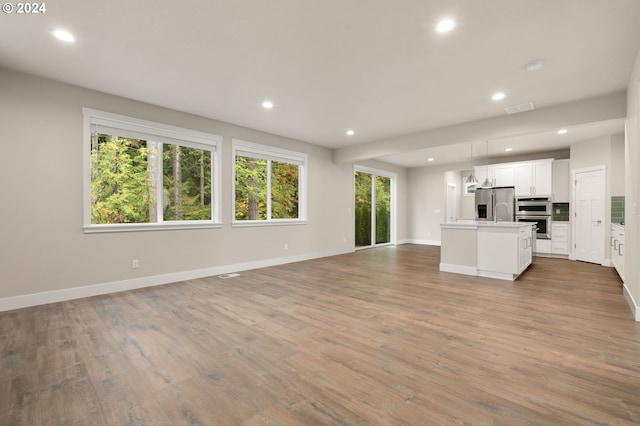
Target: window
x: 143, y: 175
x: 269, y: 185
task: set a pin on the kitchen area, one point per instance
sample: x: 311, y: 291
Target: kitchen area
x: 514, y: 211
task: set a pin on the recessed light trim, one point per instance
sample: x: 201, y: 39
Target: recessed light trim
x: 498, y: 96
x: 350, y: 132
x: 267, y: 104
x: 64, y: 36
x: 445, y: 25
x: 562, y: 131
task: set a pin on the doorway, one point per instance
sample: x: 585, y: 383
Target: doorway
x: 452, y: 202
x: 589, y: 214
x: 374, y: 207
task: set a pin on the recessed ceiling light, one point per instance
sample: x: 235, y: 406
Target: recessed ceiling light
x: 508, y: 149
x: 64, y: 36
x: 498, y: 96
x: 445, y: 26
x: 267, y: 104
x: 534, y: 65
x: 430, y: 159
x: 562, y: 131
x: 350, y: 132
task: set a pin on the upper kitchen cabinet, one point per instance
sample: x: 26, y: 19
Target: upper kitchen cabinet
x: 561, y: 181
x: 504, y: 174
x: 498, y: 174
x: 533, y: 177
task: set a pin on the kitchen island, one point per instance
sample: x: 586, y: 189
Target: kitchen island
x: 500, y: 250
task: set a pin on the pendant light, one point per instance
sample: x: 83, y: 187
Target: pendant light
x: 487, y: 182
x: 472, y: 177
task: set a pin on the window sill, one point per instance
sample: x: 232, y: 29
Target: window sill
x: 277, y: 222
x: 137, y: 227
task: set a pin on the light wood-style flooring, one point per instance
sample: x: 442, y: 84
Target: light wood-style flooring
x: 378, y: 337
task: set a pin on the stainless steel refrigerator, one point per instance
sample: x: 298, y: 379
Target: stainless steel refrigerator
x: 495, y: 204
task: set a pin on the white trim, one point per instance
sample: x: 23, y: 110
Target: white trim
x: 635, y: 309
x: 572, y: 204
x: 423, y: 242
x: 271, y: 222
x: 134, y: 227
x: 161, y: 133
x: 152, y: 128
x: 394, y: 191
x: 243, y: 148
x: 458, y: 269
x: 35, y: 299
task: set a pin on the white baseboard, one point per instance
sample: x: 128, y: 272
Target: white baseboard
x: 423, y: 242
x: 459, y: 269
x: 35, y: 299
x: 635, y: 309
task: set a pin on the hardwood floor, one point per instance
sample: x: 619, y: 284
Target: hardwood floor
x: 375, y: 337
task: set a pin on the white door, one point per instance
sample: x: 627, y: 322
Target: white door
x: 452, y: 200
x: 589, y: 216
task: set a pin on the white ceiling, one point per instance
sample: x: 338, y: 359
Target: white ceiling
x: 374, y: 66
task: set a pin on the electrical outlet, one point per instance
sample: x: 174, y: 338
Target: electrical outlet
x: 135, y: 264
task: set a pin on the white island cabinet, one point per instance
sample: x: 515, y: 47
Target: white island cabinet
x: 500, y: 250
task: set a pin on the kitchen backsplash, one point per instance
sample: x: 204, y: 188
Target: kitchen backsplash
x: 617, y: 209
x: 560, y: 212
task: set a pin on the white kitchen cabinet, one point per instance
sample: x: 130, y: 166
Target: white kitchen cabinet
x: 504, y: 174
x: 560, y: 181
x: 617, y: 249
x: 533, y: 177
x: 501, y: 250
x: 525, y: 250
x: 560, y: 238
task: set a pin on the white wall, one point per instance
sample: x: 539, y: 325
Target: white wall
x: 426, y: 202
x: 632, y: 191
x: 604, y: 151
x: 617, y: 165
x: 44, y: 248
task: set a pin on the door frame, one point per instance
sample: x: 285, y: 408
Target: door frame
x: 572, y: 211
x: 392, y: 220
x: 448, y: 201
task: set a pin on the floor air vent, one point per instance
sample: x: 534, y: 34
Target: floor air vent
x: 514, y: 109
x: 225, y: 276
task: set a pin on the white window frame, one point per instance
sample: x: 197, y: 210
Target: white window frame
x: 265, y: 152
x: 394, y: 191
x: 120, y: 125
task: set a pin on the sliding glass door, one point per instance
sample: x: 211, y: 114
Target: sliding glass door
x: 373, y: 207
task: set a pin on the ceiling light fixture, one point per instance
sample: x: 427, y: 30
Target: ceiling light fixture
x: 498, y: 96
x: 445, y: 26
x: 64, y: 36
x: 562, y: 131
x: 267, y: 104
x: 487, y: 183
x: 430, y: 159
x: 508, y: 149
x: 471, y: 178
x: 350, y: 132
x: 534, y: 65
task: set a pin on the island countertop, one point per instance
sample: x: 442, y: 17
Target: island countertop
x: 490, y: 249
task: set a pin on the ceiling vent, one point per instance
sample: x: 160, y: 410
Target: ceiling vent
x: 514, y: 109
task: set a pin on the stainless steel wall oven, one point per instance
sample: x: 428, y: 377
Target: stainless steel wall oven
x: 535, y: 210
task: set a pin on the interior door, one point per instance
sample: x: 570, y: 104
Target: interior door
x: 589, y: 216
x: 452, y: 198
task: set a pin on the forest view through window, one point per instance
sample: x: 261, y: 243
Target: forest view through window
x: 146, y: 179
x: 267, y: 184
x: 372, y: 209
